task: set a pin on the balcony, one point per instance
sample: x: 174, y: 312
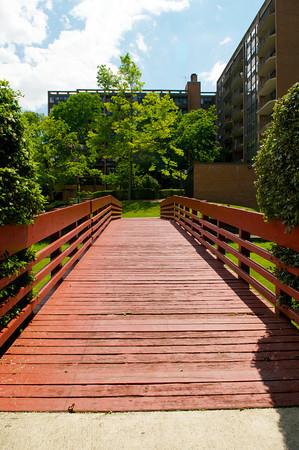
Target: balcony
x: 227, y: 107
x: 266, y: 24
x: 228, y: 124
x: 268, y: 84
x: 267, y: 44
x: 267, y: 104
x: 238, y: 129
x: 237, y: 98
x: 237, y: 114
x: 237, y: 81
x: 237, y: 66
x: 267, y: 64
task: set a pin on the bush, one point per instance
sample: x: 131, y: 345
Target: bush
x: 98, y: 194
x: 147, y: 182
x: 144, y: 194
x: 20, y: 195
x: 277, y: 179
x: 277, y: 162
x: 169, y: 192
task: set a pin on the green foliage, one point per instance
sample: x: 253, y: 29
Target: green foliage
x: 147, y: 182
x: 14, y: 264
x: 20, y: 196
x: 277, y: 179
x: 197, y: 136
x: 277, y: 162
x: 286, y: 256
x: 137, y: 136
x: 78, y: 112
x: 164, y: 193
x: 59, y: 155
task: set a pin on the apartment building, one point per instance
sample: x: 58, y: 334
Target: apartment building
x: 187, y: 100
x: 261, y: 70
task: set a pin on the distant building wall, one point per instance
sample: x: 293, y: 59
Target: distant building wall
x: 225, y: 183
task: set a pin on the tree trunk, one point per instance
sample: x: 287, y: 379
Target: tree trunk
x: 78, y: 189
x: 130, y: 175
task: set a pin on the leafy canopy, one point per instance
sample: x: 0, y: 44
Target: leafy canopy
x: 197, y: 136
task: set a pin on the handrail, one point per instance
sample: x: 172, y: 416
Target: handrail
x: 66, y: 233
x: 216, y: 227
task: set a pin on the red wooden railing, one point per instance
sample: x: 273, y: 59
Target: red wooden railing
x: 216, y: 226
x: 74, y: 227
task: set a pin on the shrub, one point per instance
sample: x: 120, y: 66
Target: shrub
x: 169, y: 192
x: 147, y: 182
x: 277, y: 178
x: 20, y: 195
x: 277, y: 162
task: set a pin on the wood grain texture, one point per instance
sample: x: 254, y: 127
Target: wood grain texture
x: 148, y: 321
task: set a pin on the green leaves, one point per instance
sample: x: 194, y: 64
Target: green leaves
x: 197, y: 136
x: 277, y: 162
x: 20, y: 196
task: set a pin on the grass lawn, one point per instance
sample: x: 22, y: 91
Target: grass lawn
x: 258, y: 259
x: 140, y: 208
x: 236, y: 206
x: 41, y: 264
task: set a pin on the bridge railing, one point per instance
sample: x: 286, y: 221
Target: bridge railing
x: 61, y: 236
x: 232, y: 235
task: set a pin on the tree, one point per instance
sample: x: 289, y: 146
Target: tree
x: 123, y: 107
x: 79, y: 112
x: 60, y: 156
x: 277, y: 178
x: 136, y: 134
x: 277, y: 162
x: 197, y: 136
x: 20, y: 196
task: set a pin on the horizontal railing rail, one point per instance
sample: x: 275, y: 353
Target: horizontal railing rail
x: 231, y: 231
x: 61, y: 236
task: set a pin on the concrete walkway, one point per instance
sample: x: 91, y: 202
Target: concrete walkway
x: 255, y: 429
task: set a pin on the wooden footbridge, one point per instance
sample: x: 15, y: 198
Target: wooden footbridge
x: 148, y: 314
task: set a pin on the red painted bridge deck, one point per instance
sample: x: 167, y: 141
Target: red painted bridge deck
x: 147, y: 320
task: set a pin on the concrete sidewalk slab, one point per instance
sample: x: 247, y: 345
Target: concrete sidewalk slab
x: 254, y: 429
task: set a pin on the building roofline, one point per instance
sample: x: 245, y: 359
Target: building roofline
x: 259, y: 14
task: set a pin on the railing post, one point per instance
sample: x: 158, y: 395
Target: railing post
x: 187, y: 210
x: 176, y: 213
x: 221, y: 238
x: 194, y: 221
x: 244, y: 251
x: 204, y: 217
x: 56, y: 253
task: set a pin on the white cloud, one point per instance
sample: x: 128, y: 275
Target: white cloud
x: 70, y: 61
x: 140, y: 43
x: 214, y: 74
x: 65, y: 21
x: 22, y: 22
x: 219, y: 7
x: 225, y: 41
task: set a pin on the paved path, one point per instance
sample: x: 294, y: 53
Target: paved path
x: 254, y: 429
x: 148, y: 321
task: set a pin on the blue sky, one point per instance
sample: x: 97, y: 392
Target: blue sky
x: 57, y: 44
